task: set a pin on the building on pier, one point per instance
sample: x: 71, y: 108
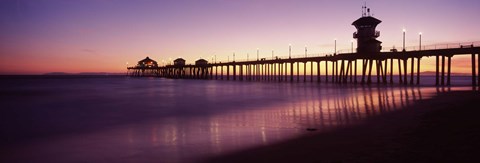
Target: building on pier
x: 144, y: 67
x: 201, y: 62
x: 179, y: 62
x: 147, y: 62
x: 366, y: 35
x: 201, y: 69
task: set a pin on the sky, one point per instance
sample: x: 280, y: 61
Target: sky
x: 41, y: 36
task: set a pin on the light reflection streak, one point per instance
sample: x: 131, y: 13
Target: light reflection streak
x: 240, y: 129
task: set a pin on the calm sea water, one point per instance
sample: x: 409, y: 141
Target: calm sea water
x: 122, y: 119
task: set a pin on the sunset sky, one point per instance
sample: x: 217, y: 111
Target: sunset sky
x: 40, y: 36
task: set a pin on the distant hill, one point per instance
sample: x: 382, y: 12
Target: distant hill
x: 84, y: 73
x: 57, y: 73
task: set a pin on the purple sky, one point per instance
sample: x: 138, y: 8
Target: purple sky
x: 39, y: 36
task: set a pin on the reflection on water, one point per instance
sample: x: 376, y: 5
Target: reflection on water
x: 176, y: 138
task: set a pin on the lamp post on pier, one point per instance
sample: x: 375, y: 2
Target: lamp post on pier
x: 420, y: 42
x: 335, y: 50
x: 289, y: 51
x: 404, y: 39
x: 257, y: 53
x: 305, y: 51
x: 272, y: 54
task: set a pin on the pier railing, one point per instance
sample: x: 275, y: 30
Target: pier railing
x: 435, y: 46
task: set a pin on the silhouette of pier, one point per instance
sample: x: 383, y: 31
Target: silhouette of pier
x: 408, y: 66
x: 343, y: 66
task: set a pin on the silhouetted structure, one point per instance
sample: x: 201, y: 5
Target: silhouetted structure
x: 201, y: 62
x: 179, y: 62
x: 366, y: 35
x: 145, y: 67
x: 369, y: 51
x: 147, y: 62
x: 201, y: 70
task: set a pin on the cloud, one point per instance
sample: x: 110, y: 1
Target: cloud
x: 90, y: 51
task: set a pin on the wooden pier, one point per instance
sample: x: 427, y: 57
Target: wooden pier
x: 368, y: 55
x: 343, y: 71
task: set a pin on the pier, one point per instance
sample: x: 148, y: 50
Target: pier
x: 344, y: 68
x: 368, y: 56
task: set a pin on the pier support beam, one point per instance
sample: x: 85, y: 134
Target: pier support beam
x: 418, y: 71
x: 364, y: 70
x: 349, y: 71
x: 437, y: 65
x: 264, y: 76
x: 279, y: 73
x: 443, y: 70
x: 334, y: 66
x: 304, y: 71
x: 449, y: 64
x: 384, y: 71
x: 405, y: 64
x: 234, y: 72
x: 369, y: 79
x: 400, y: 71
x: 342, y: 72
x: 311, y: 71
x: 336, y: 71
x: 379, y: 71
x: 298, y: 71
x: 391, y: 70
x: 385, y: 68
x: 228, y: 72
x: 291, y: 71
x: 318, y: 72
x: 211, y: 72
x: 274, y: 74
x: 355, y: 71
x: 326, y: 71
x: 412, y: 68
x: 474, y: 78
x: 241, y: 72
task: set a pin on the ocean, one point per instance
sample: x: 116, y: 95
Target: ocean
x: 127, y: 119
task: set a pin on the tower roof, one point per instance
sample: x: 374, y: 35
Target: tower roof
x: 366, y: 20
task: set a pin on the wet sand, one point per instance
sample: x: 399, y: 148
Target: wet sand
x: 445, y: 128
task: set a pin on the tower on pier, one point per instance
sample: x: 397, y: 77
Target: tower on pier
x: 366, y: 35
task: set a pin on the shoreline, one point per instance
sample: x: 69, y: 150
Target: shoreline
x: 441, y: 129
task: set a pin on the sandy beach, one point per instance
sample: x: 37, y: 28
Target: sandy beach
x: 445, y: 128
